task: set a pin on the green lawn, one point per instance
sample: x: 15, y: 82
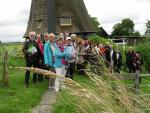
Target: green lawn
x: 68, y: 103
x: 16, y: 98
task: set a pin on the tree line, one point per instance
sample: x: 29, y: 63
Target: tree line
x: 124, y: 28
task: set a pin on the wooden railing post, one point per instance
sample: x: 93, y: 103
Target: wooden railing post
x: 137, y: 81
x: 5, y: 69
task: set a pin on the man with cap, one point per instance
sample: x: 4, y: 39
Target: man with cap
x: 31, y: 52
x: 74, y: 38
x: 70, y: 58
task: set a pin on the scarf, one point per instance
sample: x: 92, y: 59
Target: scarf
x: 41, y: 46
x: 62, y: 50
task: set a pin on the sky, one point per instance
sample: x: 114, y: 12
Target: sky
x: 14, y: 15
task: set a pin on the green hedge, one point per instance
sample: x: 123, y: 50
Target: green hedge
x: 98, y: 39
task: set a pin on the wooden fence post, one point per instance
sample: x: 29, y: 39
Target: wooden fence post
x: 137, y: 81
x: 5, y: 79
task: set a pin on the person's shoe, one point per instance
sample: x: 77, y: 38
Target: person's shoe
x: 56, y: 89
x: 26, y: 85
x: 51, y: 88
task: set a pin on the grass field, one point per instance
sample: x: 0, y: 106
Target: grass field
x: 68, y: 103
x: 17, y: 99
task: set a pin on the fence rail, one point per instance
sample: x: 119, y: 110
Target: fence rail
x: 137, y: 77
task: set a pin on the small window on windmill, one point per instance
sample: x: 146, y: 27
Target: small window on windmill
x: 39, y: 24
x: 65, y: 21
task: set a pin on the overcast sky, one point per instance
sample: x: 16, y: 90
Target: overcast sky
x: 15, y: 14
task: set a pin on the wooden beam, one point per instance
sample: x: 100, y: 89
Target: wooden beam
x: 144, y: 75
x: 128, y: 76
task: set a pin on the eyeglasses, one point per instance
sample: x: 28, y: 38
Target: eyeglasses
x: 45, y: 36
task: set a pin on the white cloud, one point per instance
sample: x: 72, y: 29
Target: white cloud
x: 110, y: 12
x: 13, y: 21
x: 15, y: 14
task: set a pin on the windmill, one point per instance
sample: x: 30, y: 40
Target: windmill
x: 59, y: 16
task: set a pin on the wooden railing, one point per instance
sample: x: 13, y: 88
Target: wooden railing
x: 136, y: 77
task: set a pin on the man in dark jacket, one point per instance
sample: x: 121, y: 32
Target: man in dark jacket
x: 117, y: 58
x: 41, y: 56
x: 31, y: 52
x: 130, y: 59
x: 107, y: 54
x: 138, y: 61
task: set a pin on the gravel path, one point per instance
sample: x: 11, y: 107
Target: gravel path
x: 45, y: 105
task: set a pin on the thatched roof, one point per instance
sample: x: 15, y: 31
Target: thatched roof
x: 48, y: 12
x: 83, y: 19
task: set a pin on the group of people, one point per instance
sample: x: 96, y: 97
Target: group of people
x: 134, y: 60
x: 112, y: 57
x: 64, y: 54
x: 55, y: 54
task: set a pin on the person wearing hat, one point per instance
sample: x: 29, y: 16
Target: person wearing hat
x: 66, y: 35
x: 31, y: 52
x: 70, y: 58
x: 74, y: 38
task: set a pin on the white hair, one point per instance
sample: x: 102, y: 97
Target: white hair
x: 51, y: 35
x: 38, y: 35
x: 32, y: 33
x: 66, y: 34
x: 73, y: 36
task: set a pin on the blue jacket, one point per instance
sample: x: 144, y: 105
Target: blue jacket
x: 58, y: 55
x: 70, y: 53
x: 48, y: 54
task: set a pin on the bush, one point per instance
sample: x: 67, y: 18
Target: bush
x: 145, y: 51
x: 98, y: 39
x: 146, y: 39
